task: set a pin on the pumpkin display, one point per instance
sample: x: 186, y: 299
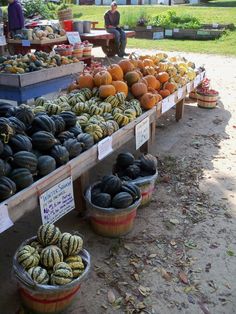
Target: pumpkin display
x: 122, y: 200
x: 116, y: 72
x: 46, y: 165
x: 170, y: 86
x: 86, y: 140
x: 22, y: 178
x: 85, y: 80
x: 163, y: 77
x: 70, y: 244
x: 39, y: 275
x: 133, y: 171
x: 138, y: 89
x: 50, y: 256
x: 43, y: 140
x: 148, y: 62
x: 106, y: 90
x: 76, y: 264
x: 132, y: 77
x: 20, y: 142
x: 28, y: 257
x: 74, y: 147
x: 7, y: 188
x: 62, y: 274
x: 148, y: 101
x: 151, y: 81
x: 102, y: 78
x: 126, y: 65
x: 120, y: 86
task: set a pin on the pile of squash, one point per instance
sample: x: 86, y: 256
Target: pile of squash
x: 30, y: 62
x: 40, y: 33
x: 146, y: 78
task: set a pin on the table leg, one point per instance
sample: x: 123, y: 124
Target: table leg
x: 146, y: 148
x: 179, y: 112
x: 79, y: 187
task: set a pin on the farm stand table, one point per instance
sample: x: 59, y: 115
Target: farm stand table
x: 46, y: 45
x: 21, y: 87
x: 101, y: 38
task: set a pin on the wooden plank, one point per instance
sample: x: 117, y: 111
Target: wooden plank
x: 26, y: 79
x: 40, y: 42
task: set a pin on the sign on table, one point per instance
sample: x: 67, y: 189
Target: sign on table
x: 3, y: 41
x: 57, y: 201
x: 105, y: 147
x: 168, y: 103
x: 180, y: 92
x: 73, y: 37
x: 142, y: 132
x: 25, y: 43
x: 5, y: 221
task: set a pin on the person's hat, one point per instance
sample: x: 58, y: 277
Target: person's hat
x: 114, y: 3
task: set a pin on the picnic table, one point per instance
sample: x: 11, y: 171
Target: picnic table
x: 101, y: 38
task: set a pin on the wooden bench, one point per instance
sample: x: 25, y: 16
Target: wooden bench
x: 101, y: 38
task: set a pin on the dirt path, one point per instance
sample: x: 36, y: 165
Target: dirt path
x: 181, y: 255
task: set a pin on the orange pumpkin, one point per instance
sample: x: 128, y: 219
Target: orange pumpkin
x: 132, y: 77
x: 170, y: 86
x: 72, y: 86
x: 106, y: 90
x: 163, y: 77
x: 138, y: 89
x: 151, y: 80
x: 143, y: 80
x: 148, y: 62
x: 120, y: 86
x: 85, y: 80
x: 158, y: 97
x: 158, y: 86
x: 116, y: 72
x: 126, y: 65
x: 148, y: 101
x: 102, y: 78
x: 149, y: 70
x: 152, y: 90
x: 164, y: 92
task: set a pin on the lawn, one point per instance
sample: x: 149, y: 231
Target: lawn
x: 214, y: 12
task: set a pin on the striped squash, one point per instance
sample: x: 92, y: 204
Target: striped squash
x: 112, y: 100
x: 70, y: 244
x: 121, y: 97
x: 86, y: 92
x: 48, y: 234
x: 50, y: 256
x: 38, y: 246
x: 62, y: 274
x: 28, y: 257
x: 76, y: 264
x: 39, y: 275
x: 40, y: 101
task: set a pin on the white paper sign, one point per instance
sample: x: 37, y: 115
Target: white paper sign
x: 142, y: 132
x: 196, y: 81
x: 168, y: 32
x: 180, y: 92
x: 73, y: 37
x: 105, y: 147
x: 149, y: 27
x: 215, y: 25
x: 168, y: 103
x: 188, y: 87
x: 25, y: 43
x: 176, y: 30
x: 2, y: 41
x: 5, y: 221
x: 57, y: 201
x: 158, y: 35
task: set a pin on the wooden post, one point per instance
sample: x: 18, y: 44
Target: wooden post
x: 179, y: 112
x: 79, y: 188
x: 145, y: 148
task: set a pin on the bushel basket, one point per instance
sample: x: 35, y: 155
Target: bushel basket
x: 208, y: 101
x: 42, y: 299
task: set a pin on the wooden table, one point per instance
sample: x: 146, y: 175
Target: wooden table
x: 101, y: 38
x: 79, y: 167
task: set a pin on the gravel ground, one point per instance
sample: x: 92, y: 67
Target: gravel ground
x: 180, y: 256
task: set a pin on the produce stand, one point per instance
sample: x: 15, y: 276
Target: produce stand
x: 24, y: 46
x: 101, y: 38
x: 21, y: 87
x: 28, y: 199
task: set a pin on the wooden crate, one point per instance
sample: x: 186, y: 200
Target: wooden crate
x: 26, y: 79
x: 149, y: 32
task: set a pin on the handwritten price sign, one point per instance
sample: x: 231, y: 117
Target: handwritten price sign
x: 142, y: 132
x: 57, y: 201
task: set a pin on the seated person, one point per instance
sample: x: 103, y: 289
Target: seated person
x: 112, y: 20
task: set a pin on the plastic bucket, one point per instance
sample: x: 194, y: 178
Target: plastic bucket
x: 110, y: 222
x: 147, y: 187
x: 45, y: 299
x: 68, y: 25
x: 86, y: 26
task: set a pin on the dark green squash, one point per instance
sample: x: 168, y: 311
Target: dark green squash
x: 43, y: 123
x: 18, y: 125
x: 111, y: 184
x: 24, y: 159
x: 124, y: 160
x: 22, y: 178
x: 7, y: 188
x: 148, y: 163
x: 7, y: 152
x: 69, y: 118
x: 1, y: 147
x: 2, y: 168
x: 20, y: 142
x: 46, y: 164
x: 60, y: 154
x: 43, y: 140
x: 133, y: 171
x: 63, y: 136
x: 122, y: 200
x: 5, y: 108
x: 102, y: 200
x: 132, y: 189
x: 74, y: 147
x: 59, y: 122
x: 8, y: 168
x: 86, y: 139
x: 25, y: 114
x: 76, y: 130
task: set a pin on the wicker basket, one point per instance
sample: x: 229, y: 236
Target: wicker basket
x: 111, y: 222
x: 44, y: 299
x: 207, y: 101
x: 65, y: 14
x: 193, y: 94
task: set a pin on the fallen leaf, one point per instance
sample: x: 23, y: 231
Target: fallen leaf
x: 104, y: 306
x: 228, y: 215
x: 145, y: 291
x: 127, y: 248
x: 183, y: 277
x: 174, y: 221
x: 111, y: 297
x: 118, y: 302
x: 190, y: 244
x: 136, y: 265
x: 152, y: 255
x: 166, y: 275
x: 172, y: 242
x: 136, y: 277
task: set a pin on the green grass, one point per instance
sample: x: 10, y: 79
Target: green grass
x: 220, y: 12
